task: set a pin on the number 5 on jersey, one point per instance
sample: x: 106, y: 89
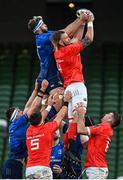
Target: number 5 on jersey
x: 34, y: 144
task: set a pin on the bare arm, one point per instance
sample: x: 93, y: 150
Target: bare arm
x: 61, y: 114
x: 81, y: 129
x: 90, y: 31
x: 47, y: 109
x: 79, y: 32
x: 37, y: 100
x: 72, y: 29
x: 31, y: 99
x: 79, y: 118
x: 80, y: 113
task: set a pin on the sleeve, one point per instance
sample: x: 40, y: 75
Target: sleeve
x: 74, y: 48
x: 23, y: 120
x: 72, y: 131
x: 65, y: 139
x: 95, y: 130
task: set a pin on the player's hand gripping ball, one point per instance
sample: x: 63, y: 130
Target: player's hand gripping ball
x: 86, y: 14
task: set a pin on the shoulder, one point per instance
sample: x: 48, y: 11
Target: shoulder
x: 50, y: 124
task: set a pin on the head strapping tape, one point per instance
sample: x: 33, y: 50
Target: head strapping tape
x: 14, y: 114
x: 38, y: 25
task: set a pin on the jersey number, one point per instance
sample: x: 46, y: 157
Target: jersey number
x: 59, y: 67
x: 34, y: 144
x: 107, y: 145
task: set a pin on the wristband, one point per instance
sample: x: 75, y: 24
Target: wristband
x: 40, y: 96
x: 65, y: 103
x: 48, y: 108
x: 41, y: 91
x: 44, y: 101
x: 90, y: 24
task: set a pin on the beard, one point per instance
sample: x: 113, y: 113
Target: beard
x: 55, y: 138
x: 44, y: 30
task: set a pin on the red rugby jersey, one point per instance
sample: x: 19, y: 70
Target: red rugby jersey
x: 39, y: 143
x: 98, y: 144
x: 69, y: 64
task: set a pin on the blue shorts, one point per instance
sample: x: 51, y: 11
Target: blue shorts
x: 12, y: 169
x: 52, y: 85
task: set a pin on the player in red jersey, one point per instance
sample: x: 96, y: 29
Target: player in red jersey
x: 39, y: 139
x: 98, y: 144
x: 68, y: 59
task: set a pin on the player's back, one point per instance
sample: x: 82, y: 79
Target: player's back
x: 45, y: 53
x: 39, y: 143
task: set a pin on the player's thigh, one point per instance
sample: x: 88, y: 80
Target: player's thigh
x: 79, y: 96
x: 79, y: 93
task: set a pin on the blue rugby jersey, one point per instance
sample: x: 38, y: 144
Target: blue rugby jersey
x: 56, y: 156
x: 48, y: 68
x: 17, y: 138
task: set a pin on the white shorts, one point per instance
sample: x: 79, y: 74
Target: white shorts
x: 96, y: 173
x: 39, y: 172
x: 79, y: 94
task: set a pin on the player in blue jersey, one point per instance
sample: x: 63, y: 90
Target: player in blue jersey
x: 57, y: 152
x: 18, y: 124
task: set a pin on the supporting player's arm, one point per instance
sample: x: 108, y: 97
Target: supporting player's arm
x: 81, y: 129
x: 31, y: 98
x: 37, y: 100
x: 61, y: 114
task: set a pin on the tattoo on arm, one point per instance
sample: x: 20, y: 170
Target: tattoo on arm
x: 86, y: 41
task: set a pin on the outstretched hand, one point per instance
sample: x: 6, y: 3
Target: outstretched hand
x: 80, y: 108
x: 85, y: 14
x: 68, y: 96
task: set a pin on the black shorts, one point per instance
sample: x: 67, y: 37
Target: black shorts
x: 12, y: 169
x: 52, y: 85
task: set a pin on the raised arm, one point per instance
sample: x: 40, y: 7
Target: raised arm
x: 61, y: 114
x: 80, y: 115
x: 37, y: 100
x: 31, y: 98
x: 89, y: 36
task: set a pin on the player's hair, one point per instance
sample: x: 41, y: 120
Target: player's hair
x: 56, y: 38
x: 35, y: 118
x: 33, y: 22
x: 9, y: 112
x: 117, y: 119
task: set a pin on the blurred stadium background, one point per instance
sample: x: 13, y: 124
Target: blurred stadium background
x: 103, y: 61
